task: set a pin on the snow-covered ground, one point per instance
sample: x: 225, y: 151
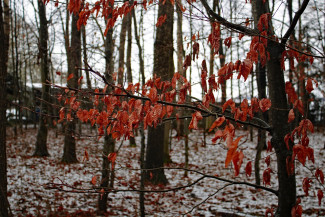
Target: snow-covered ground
x: 28, y: 176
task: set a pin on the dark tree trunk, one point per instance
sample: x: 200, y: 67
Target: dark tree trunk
x: 259, y: 8
x: 74, y: 63
x: 109, y: 144
x: 279, y: 116
x: 164, y: 68
x: 41, y: 140
x: 4, y: 46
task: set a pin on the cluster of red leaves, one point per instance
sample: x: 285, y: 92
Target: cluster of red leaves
x: 302, y: 152
x: 296, y: 211
x: 292, y: 54
x: 244, y: 110
x: 120, y: 117
x: 257, y: 50
x: 214, y: 38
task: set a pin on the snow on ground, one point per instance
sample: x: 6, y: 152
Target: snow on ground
x: 28, y: 176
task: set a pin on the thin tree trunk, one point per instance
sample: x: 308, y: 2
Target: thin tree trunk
x: 41, y: 139
x: 137, y: 38
x: 180, y: 53
x: 109, y: 143
x: 4, y: 49
x: 84, y: 45
x: 74, y: 63
x: 121, y: 51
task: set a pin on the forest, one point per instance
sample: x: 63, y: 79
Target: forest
x: 162, y: 108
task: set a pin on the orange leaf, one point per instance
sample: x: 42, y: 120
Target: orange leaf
x: 161, y: 20
x: 232, y: 150
x: 217, y: 123
x: 70, y: 76
x: 265, y: 104
x: 94, y: 180
x: 291, y: 116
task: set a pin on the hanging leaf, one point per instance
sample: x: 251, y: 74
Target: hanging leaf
x: 248, y: 168
x: 161, y: 20
x: 306, y: 185
x: 94, y: 180
x: 70, y: 76
x: 319, y: 175
x: 267, y: 176
x: 217, y: 123
x: 291, y: 116
x: 265, y: 104
x: 320, y: 196
x: 309, y: 85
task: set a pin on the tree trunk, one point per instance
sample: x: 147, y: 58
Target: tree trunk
x: 84, y: 45
x: 41, y: 139
x: 279, y: 116
x: 258, y: 8
x: 109, y: 143
x: 4, y: 49
x: 121, y: 51
x: 128, y: 60
x: 74, y: 63
x: 180, y: 53
x: 164, y: 68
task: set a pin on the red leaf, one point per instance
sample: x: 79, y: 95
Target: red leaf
x: 232, y: 150
x: 263, y: 21
x: 228, y: 41
x: 70, y: 76
x: 309, y: 85
x: 269, y: 211
x: 229, y: 103
x: 291, y: 116
x: 298, y: 104
x: 265, y: 104
x: 86, y: 156
x: 306, y: 185
x: 195, y: 118
x: 319, y: 175
x: 217, y: 123
x: 112, y: 157
x: 58, y: 73
x: 153, y: 95
x: 217, y: 136
x: 268, y: 160
x: 237, y: 160
x: 161, y: 20
x: 269, y: 146
x: 248, y: 168
x: 320, y: 196
x: 267, y: 176
x: 94, y: 180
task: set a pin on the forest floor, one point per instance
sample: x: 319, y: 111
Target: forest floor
x: 28, y: 178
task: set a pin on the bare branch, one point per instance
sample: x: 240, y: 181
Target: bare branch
x: 294, y: 22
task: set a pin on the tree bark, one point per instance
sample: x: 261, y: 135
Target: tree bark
x: 41, y: 139
x: 259, y: 8
x: 164, y: 68
x: 109, y: 143
x: 74, y: 63
x: 4, y: 49
x: 121, y: 51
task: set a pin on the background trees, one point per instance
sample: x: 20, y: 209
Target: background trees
x: 118, y: 108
